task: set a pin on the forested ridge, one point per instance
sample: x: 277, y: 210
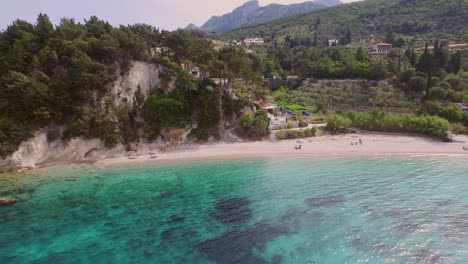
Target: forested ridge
x: 422, y: 19
x: 59, y: 77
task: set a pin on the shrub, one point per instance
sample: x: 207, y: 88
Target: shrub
x: 230, y: 105
x: 441, y: 74
x: 74, y: 130
x: 111, y: 140
x: 406, y: 75
x: 261, y: 123
x: 435, y: 81
x: 53, y: 135
x: 454, y: 96
x: 245, y: 121
x: 452, y: 113
x: 293, y: 134
x: 321, y: 107
x: 437, y: 93
x: 200, y: 133
x: 256, y: 127
x: 163, y: 111
x: 454, y: 82
x: 458, y: 129
x: 337, y: 123
x: 429, y: 108
x: 417, y: 83
x: 465, y: 119
x: 445, y: 85
x: 422, y: 75
x: 379, y: 121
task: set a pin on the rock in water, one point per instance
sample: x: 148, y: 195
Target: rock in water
x: 7, y: 201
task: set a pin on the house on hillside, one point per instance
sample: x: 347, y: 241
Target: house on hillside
x: 332, y: 42
x: 195, y: 71
x: 455, y: 47
x: 450, y: 47
x: 253, y: 41
x: 383, y: 48
x: 269, y: 107
x: 292, y: 78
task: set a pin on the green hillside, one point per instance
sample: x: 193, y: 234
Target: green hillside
x: 61, y: 78
x: 433, y: 19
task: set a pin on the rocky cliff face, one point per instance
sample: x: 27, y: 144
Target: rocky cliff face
x: 252, y: 13
x: 142, y: 74
x: 38, y: 150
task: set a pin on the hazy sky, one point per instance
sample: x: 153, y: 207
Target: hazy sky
x: 165, y: 14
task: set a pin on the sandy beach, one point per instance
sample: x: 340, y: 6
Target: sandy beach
x: 373, y: 144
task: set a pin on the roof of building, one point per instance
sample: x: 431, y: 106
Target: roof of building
x: 458, y: 45
x: 384, y: 44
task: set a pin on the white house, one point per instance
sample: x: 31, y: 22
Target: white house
x: 333, y: 42
x: 383, y: 48
x: 252, y: 41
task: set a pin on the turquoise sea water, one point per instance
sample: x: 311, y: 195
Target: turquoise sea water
x: 266, y: 210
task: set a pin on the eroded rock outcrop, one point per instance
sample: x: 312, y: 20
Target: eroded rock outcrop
x: 7, y: 201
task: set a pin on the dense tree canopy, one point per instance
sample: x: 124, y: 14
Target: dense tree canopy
x: 58, y: 75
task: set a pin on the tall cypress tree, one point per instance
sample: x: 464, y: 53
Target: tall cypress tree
x: 347, y: 38
x: 427, y: 64
x: 454, y: 64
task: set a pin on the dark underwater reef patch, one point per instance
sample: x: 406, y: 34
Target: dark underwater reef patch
x: 238, y: 246
x: 233, y: 211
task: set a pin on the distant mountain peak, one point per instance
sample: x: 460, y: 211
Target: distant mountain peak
x: 251, y: 3
x: 191, y: 26
x: 251, y: 13
x: 328, y: 2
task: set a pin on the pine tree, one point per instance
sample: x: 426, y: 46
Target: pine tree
x: 361, y: 55
x: 44, y: 28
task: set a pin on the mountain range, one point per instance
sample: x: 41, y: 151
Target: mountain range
x: 423, y: 19
x: 252, y: 13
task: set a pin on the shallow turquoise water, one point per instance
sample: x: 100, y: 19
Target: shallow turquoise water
x: 267, y: 210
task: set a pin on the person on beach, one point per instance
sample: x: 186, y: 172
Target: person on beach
x: 360, y: 141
